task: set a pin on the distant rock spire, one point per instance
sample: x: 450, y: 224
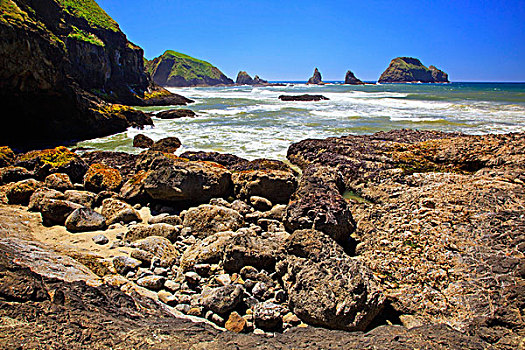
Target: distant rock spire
x: 351, y: 79
x: 316, y: 78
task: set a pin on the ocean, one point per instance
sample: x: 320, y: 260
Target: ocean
x: 252, y: 122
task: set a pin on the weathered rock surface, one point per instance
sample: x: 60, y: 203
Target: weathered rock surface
x: 325, y: 286
x: 223, y: 299
x: 208, y: 251
x: 159, y: 247
x: 142, y: 141
x: 142, y: 231
x: 275, y: 185
x: 411, y: 70
x: 207, y: 220
x: 100, y: 177
x: 351, y: 79
x: 56, y: 211
x: 121, y: 161
x: 167, y: 145
x: 304, y: 97
x: 20, y: 192
x: 316, y: 78
x: 118, y: 211
x: 59, y: 182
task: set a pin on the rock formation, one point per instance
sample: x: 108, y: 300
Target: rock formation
x: 60, y: 61
x: 411, y: 70
x: 244, y: 78
x: 304, y: 97
x: 316, y: 78
x: 177, y: 69
x: 351, y: 79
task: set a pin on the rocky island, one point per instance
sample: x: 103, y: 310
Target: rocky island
x: 176, y: 69
x: 351, y: 79
x: 316, y: 78
x: 411, y: 70
x: 244, y: 78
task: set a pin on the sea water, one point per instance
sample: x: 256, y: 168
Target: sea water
x: 252, y: 122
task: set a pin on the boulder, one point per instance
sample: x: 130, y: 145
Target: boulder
x: 175, y: 114
x: 100, y: 239
x: 351, y: 79
x: 249, y: 249
x: 208, y: 251
x: 141, y: 231
x: 179, y: 180
x: 152, y: 282
x: 230, y: 161
x: 100, y: 177
x: 165, y: 219
x: 274, y: 185
x: 121, y: 161
x: 223, y: 299
x: 133, y: 188
x: 167, y: 145
x: 268, y: 316
x: 84, y: 198
x: 206, y: 220
x: 84, y: 220
x: 326, y: 287
x: 59, y: 182
x: 303, y: 98
x: 56, y: 211
x: 142, y: 141
x: 260, y: 203
x: 124, y: 264
x: 316, y: 78
x: 42, y: 194
x: 20, y: 192
x: 160, y: 248
x: 117, y: 211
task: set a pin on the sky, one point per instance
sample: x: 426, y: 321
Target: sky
x: 471, y: 40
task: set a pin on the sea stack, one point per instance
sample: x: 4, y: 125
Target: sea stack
x: 411, y: 70
x: 244, y: 78
x: 177, y: 69
x: 316, y: 78
x: 351, y: 79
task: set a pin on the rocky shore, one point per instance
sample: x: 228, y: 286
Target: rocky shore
x: 395, y: 240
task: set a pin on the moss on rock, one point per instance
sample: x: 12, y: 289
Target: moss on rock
x: 100, y: 177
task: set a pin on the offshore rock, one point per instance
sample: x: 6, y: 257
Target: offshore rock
x: 351, y: 79
x: 304, y: 97
x: 167, y: 145
x: 175, y: 114
x: 243, y: 78
x: 411, y: 70
x: 142, y: 141
x: 316, y: 78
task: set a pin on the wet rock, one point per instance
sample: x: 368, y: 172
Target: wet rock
x: 85, y: 220
x: 117, y: 211
x: 175, y: 114
x: 325, y: 286
x: 56, y: 211
x: 100, y: 177
x: 20, y: 192
x: 142, y: 141
x: 125, y: 264
x: 141, y: 231
x: 160, y: 248
x: 223, y: 299
x: 267, y: 316
x: 152, y: 282
x: 303, y: 98
x: 100, y: 239
x: 275, y: 185
x: 207, y: 220
x: 167, y: 145
x: 14, y: 174
x: 84, y: 198
x: 235, y: 323
x: 179, y: 180
x: 59, y: 182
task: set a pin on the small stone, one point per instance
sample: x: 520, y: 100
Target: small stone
x: 167, y: 298
x: 223, y: 279
x: 259, y: 289
x: 235, y: 323
x: 291, y: 318
x: 192, y: 277
x: 258, y: 331
x: 184, y: 308
x: 171, y: 285
x: 100, y: 239
x: 202, y: 269
x: 195, y: 311
x: 260, y: 203
x: 218, y: 320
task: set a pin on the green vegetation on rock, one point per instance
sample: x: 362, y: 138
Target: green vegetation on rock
x: 410, y: 70
x: 91, y: 12
x: 82, y: 35
x: 177, y: 69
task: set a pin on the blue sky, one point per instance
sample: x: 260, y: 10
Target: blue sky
x: 473, y: 40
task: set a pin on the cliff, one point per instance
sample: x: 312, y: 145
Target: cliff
x: 62, y: 61
x: 411, y: 70
x: 177, y: 69
x: 351, y: 79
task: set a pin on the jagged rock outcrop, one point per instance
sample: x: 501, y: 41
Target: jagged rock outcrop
x: 61, y: 60
x: 351, y: 79
x: 177, y: 69
x: 244, y: 78
x: 316, y: 78
x: 411, y: 70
